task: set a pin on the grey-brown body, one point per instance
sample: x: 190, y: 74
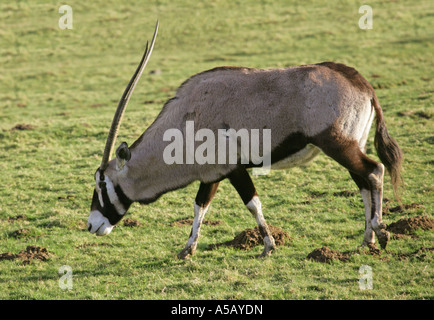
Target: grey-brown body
x: 326, y: 107
x: 297, y: 104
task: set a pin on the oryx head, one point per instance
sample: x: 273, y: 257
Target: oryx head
x: 109, y: 202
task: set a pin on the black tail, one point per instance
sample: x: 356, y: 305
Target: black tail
x: 388, y: 149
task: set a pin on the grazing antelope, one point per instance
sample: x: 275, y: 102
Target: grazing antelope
x: 326, y: 107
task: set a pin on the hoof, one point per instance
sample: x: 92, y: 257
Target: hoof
x: 185, y: 253
x: 267, y: 252
x: 270, y: 246
x: 383, y: 238
x: 264, y: 255
x: 366, y: 244
x: 382, y: 225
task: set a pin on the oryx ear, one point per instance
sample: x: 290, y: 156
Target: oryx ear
x: 123, y: 154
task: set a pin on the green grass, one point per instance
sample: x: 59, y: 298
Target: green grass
x: 66, y: 84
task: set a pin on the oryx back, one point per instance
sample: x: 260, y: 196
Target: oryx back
x: 297, y: 104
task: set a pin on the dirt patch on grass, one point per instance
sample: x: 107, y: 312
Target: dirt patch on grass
x: 28, y: 255
x: 317, y: 194
x: 408, y: 226
x: 7, y: 256
x: 34, y: 253
x: 418, y: 254
x: 415, y: 114
x: 67, y: 197
x: 86, y: 245
x: 327, y: 255
x: 400, y: 236
x: 131, y: 223
x: 250, y: 238
x: 22, y: 127
x: 345, y: 193
x: 20, y: 233
x: 387, y: 209
x: 17, y: 218
x: 406, y: 207
x: 189, y: 222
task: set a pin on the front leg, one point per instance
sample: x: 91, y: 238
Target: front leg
x: 254, y: 207
x: 201, y: 204
x: 242, y: 182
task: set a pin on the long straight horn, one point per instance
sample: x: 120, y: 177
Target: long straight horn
x: 111, y: 139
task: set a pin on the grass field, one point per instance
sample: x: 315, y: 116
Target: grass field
x: 58, y: 92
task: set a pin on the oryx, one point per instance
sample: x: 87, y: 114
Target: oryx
x: 326, y: 107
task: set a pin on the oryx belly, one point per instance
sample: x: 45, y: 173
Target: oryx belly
x: 301, y: 157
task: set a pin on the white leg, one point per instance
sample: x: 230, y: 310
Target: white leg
x: 369, y: 237
x: 190, y: 247
x: 376, y: 179
x: 255, y: 208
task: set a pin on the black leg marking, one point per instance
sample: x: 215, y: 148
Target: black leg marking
x: 205, y: 193
x: 242, y: 182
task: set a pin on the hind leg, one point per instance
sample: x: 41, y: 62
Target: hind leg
x: 369, y: 236
x: 369, y: 177
x: 376, y: 183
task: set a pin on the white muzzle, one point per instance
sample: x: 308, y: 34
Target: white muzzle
x: 99, y: 224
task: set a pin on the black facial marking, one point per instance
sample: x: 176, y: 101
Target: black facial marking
x: 127, y: 202
x: 109, y: 210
